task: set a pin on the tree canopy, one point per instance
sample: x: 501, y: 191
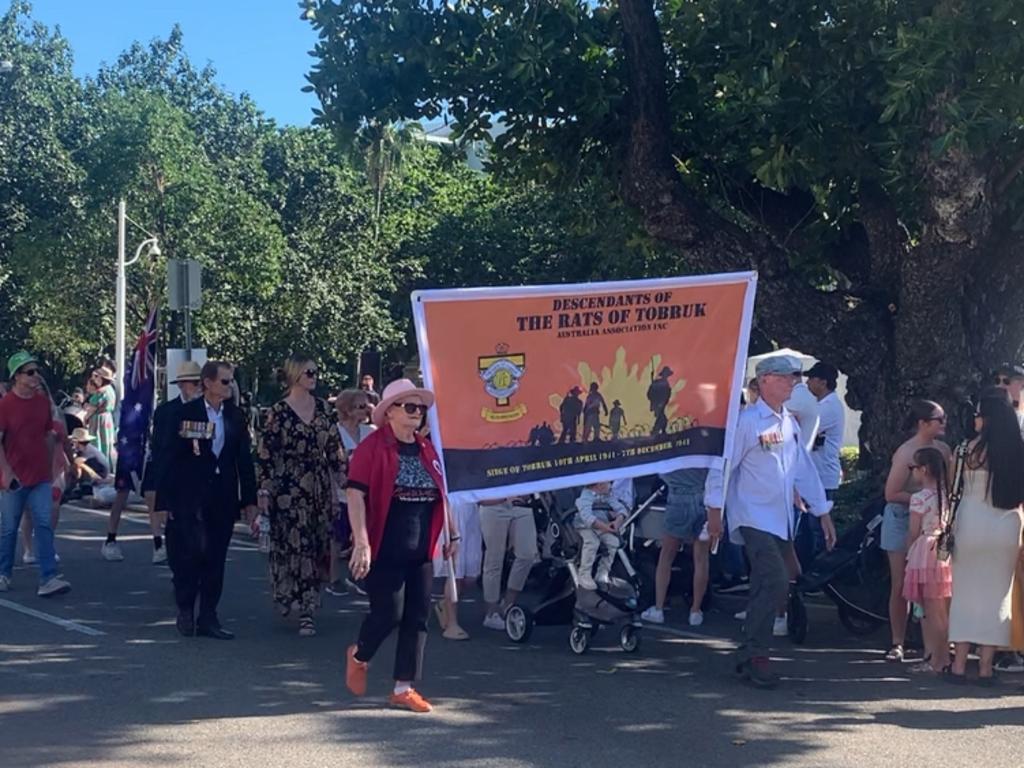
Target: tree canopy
x: 305, y: 245
x: 865, y: 157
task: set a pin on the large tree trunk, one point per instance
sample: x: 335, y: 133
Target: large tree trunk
x: 904, y: 329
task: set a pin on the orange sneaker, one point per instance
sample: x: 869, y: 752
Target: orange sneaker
x: 410, y: 700
x: 355, y: 672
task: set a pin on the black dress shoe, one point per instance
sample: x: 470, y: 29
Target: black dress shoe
x: 218, y: 633
x: 186, y: 625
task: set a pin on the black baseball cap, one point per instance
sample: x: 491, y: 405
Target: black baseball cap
x: 823, y: 371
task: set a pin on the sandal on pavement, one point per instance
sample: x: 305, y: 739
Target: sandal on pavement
x: 455, y: 632
x: 895, y: 654
x: 924, y: 668
x: 307, y: 627
x: 952, y: 677
x: 987, y: 681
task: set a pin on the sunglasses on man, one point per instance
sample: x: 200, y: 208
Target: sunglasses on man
x: 412, y: 408
x: 31, y: 372
x: 1001, y: 381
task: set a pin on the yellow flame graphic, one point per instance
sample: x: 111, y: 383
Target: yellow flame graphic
x: 628, y: 384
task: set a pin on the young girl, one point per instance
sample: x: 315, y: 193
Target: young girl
x: 928, y: 581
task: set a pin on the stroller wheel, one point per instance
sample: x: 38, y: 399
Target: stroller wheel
x: 579, y: 640
x: 857, y: 623
x: 629, y: 639
x: 518, y: 623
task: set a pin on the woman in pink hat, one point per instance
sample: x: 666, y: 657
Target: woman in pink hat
x: 396, y: 507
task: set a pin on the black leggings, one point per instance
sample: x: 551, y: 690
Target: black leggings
x: 399, y: 597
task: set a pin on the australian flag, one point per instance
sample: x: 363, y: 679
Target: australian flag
x: 137, y: 408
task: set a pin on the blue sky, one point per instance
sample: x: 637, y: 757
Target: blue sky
x: 257, y: 46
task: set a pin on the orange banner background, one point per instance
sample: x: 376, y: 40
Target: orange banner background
x: 698, y: 345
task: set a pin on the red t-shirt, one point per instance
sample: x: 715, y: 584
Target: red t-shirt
x: 25, y: 424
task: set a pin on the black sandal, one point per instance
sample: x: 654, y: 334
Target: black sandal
x: 952, y: 677
x: 895, y: 654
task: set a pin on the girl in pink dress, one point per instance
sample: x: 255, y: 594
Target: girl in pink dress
x: 928, y: 580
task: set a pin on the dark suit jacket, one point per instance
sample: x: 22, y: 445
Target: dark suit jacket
x: 161, y: 442
x: 192, y: 478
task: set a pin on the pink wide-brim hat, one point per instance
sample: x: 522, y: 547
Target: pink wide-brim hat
x: 398, y: 391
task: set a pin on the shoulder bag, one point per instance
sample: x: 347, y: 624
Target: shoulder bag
x: 947, y: 539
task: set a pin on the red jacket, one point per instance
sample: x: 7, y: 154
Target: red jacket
x: 373, y: 470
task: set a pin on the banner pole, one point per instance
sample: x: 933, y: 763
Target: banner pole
x: 451, y: 588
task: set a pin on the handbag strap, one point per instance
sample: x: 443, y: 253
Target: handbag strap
x: 958, y: 482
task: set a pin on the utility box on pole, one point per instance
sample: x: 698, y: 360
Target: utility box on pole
x: 184, y: 284
x: 185, y: 293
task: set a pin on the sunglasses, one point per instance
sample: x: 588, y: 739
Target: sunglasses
x: 31, y: 372
x: 1003, y: 380
x: 311, y: 373
x: 412, y: 408
x: 227, y: 382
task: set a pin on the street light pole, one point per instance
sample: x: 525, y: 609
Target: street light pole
x: 119, y: 309
x: 119, y: 306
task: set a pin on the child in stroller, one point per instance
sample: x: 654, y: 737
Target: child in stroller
x: 599, y: 518
x: 564, y: 598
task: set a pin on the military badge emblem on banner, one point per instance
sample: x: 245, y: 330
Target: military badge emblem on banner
x: 501, y: 373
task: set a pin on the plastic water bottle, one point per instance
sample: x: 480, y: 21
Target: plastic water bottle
x: 264, y: 524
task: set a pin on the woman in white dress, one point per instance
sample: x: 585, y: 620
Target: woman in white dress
x: 987, y: 538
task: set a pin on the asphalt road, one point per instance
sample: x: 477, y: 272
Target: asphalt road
x: 119, y: 687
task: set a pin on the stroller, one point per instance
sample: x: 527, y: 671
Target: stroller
x: 855, y: 575
x: 562, y: 601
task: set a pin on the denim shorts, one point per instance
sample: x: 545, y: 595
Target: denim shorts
x: 685, y: 515
x: 895, y: 527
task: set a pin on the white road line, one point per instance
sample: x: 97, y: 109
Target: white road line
x: 71, y: 626
x: 241, y: 545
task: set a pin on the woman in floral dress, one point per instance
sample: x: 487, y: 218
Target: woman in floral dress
x: 298, y: 462
x: 100, y: 412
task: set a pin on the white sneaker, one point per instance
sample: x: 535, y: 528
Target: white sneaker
x: 741, y: 616
x: 654, y: 614
x: 111, y: 552
x: 587, y: 581
x: 5, y: 584
x: 603, y: 578
x: 495, y: 622
x: 27, y: 558
x: 55, y: 586
x: 781, y: 626
x: 696, y: 618
x: 160, y: 556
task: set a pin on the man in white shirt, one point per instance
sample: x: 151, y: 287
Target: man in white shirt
x: 767, y: 464
x: 822, y: 380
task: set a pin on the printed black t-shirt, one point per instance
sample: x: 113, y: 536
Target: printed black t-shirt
x: 407, y: 531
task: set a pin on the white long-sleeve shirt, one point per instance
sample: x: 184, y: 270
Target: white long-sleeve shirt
x: 767, y: 463
x: 831, y: 426
x: 803, y: 406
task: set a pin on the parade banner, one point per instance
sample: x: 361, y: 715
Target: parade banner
x: 547, y: 387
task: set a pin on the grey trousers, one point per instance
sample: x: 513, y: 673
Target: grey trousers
x: 769, y: 584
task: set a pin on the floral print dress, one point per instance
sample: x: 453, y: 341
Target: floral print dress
x: 101, y: 423
x: 295, y: 461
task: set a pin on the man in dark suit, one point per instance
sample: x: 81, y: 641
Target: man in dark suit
x: 206, y: 478
x: 161, y: 443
